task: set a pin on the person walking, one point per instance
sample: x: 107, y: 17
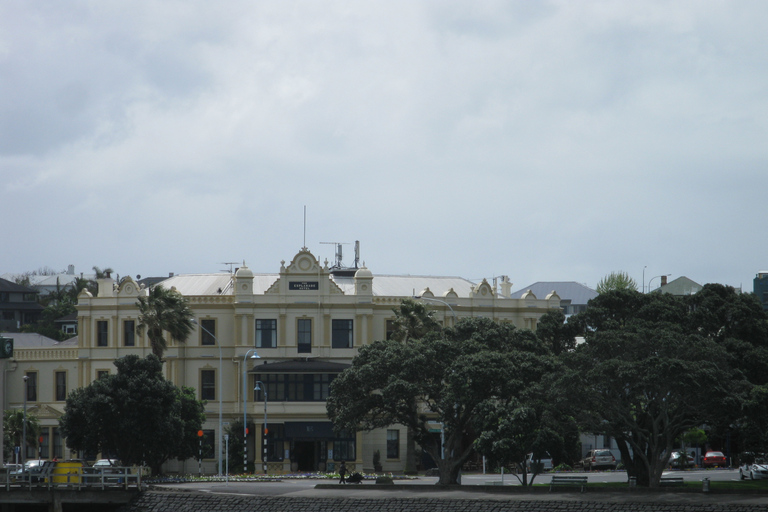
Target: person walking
x: 342, y: 472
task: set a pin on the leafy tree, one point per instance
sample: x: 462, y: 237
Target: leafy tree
x: 102, y: 274
x: 616, y: 281
x: 558, y: 335
x: 136, y: 414
x: 235, y: 432
x: 164, y: 310
x: 647, y: 379
x: 455, y: 376
x: 413, y: 321
x: 13, y: 428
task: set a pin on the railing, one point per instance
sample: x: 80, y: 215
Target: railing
x: 75, y: 478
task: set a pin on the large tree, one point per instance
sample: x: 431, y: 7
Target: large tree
x: 13, y: 428
x: 454, y: 376
x: 616, y: 281
x: 136, y: 414
x: 644, y: 377
x: 161, y: 310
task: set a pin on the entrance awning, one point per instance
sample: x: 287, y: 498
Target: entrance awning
x: 309, y: 429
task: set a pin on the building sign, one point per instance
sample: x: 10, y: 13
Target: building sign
x: 303, y: 285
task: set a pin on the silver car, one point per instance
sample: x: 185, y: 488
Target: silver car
x: 758, y: 470
x: 598, y: 459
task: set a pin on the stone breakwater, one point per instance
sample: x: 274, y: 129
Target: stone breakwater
x: 200, y: 502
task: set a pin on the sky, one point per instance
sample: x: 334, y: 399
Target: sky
x: 545, y: 141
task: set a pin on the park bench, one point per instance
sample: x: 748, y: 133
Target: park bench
x: 668, y: 481
x: 569, y: 481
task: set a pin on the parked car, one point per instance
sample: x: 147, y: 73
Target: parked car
x: 108, y: 467
x: 756, y: 470
x: 597, y: 459
x: 545, y: 459
x: 106, y: 464
x: 34, y: 471
x: 676, y: 461
x: 713, y: 459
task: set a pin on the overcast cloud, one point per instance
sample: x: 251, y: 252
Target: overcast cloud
x: 540, y: 140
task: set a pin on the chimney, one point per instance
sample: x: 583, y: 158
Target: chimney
x: 663, y: 280
x: 71, y: 270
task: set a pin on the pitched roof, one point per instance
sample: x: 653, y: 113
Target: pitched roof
x: 680, y: 286
x: 577, y: 293
x: 10, y: 286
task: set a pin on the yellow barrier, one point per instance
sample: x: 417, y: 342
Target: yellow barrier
x: 67, y: 472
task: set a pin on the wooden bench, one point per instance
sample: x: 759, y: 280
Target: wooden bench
x: 569, y: 481
x: 668, y: 481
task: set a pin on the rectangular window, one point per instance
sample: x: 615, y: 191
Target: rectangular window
x: 266, y: 333
x: 209, y: 444
x: 321, y: 388
x: 101, y: 373
x: 129, y: 333
x: 304, y: 335
x: 61, y: 386
x: 58, y: 449
x: 208, y: 384
x: 208, y: 332
x: 393, y: 444
x: 390, y: 329
x: 44, y: 446
x: 344, y: 447
x: 31, y: 386
x: 309, y: 387
x: 341, y: 333
x: 102, y: 333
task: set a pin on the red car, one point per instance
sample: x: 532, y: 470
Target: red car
x: 713, y: 459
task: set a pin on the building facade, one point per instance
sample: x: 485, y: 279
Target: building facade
x: 305, y: 324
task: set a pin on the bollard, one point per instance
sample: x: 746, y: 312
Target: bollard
x: 705, y: 485
x: 632, y: 482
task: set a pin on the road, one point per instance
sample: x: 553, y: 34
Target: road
x: 306, y: 487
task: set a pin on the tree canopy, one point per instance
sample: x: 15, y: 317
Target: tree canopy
x: 13, y: 428
x: 616, y: 281
x: 649, y: 371
x: 136, y: 414
x: 457, y: 377
x: 164, y: 310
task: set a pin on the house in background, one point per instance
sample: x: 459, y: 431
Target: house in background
x: 680, y: 286
x: 573, y: 296
x: 18, y: 306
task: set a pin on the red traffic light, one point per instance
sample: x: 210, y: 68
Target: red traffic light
x: 246, y: 430
x: 199, y: 433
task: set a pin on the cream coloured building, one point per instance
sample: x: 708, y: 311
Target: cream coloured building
x: 305, y: 322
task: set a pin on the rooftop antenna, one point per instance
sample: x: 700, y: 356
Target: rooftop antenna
x: 338, y: 263
x: 357, y: 253
x: 230, y: 263
x: 305, y: 226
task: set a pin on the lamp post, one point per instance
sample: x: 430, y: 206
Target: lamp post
x: 245, y: 408
x: 24, y: 426
x: 654, y: 277
x: 221, y: 392
x: 260, y: 386
x: 645, y: 267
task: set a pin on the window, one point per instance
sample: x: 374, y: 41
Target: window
x: 275, y: 442
x: 44, y: 446
x: 208, y: 332
x: 129, y: 333
x: 101, y: 373
x: 208, y: 384
x: 266, y: 333
x: 393, y: 444
x: 304, y: 334
x: 58, y: 451
x: 341, y: 333
x: 61, y: 386
x: 390, y: 329
x: 31, y: 386
x: 209, y: 444
x: 344, y: 447
x: 295, y: 387
x: 29, y: 297
x: 102, y: 333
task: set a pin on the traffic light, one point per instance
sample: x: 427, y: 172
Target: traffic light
x: 6, y: 348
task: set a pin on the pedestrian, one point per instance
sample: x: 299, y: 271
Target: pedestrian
x: 342, y: 472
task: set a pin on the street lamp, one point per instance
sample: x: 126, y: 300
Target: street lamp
x: 654, y: 277
x: 24, y: 425
x: 245, y: 408
x: 221, y: 392
x: 259, y: 386
x: 441, y: 302
x: 645, y: 267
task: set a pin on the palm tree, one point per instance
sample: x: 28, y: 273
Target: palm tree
x: 13, y: 425
x: 102, y: 274
x: 164, y: 310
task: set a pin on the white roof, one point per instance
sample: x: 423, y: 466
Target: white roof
x: 383, y: 285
